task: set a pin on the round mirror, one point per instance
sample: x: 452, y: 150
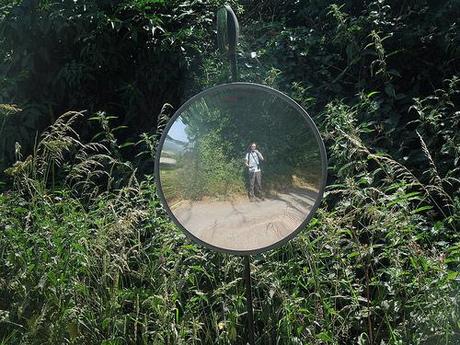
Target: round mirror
x: 241, y: 168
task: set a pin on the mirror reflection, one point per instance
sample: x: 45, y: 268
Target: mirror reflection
x: 240, y: 168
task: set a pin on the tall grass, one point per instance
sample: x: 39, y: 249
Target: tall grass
x: 90, y: 261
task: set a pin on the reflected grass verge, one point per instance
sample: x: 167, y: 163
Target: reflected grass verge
x: 232, y: 184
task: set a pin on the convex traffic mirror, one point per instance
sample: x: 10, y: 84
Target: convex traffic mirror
x: 241, y: 168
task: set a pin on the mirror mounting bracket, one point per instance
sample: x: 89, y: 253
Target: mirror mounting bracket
x: 227, y: 37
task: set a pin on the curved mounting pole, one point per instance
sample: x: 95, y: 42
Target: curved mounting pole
x: 228, y: 31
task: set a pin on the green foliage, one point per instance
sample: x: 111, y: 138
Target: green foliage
x: 87, y: 255
x: 205, y: 172
x: 18, y: 128
x: 371, y: 268
x: 112, y: 56
x: 212, y: 173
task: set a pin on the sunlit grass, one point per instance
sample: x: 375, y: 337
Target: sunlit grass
x: 110, y: 268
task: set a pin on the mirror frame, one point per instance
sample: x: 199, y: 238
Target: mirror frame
x: 229, y: 87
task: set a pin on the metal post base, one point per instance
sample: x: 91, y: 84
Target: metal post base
x: 249, y: 307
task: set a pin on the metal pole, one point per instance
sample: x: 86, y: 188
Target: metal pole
x: 233, y: 31
x: 233, y: 66
x: 249, y: 307
x: 227, y: 37
x: 228, y: 31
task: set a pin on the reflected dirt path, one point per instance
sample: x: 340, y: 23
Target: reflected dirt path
x: 244, y: 225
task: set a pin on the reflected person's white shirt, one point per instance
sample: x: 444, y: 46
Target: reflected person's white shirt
x: 253, y: 161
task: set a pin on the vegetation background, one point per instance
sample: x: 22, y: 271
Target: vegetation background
x: 87, y: 255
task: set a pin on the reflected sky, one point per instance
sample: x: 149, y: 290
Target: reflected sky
x: 177, y: 131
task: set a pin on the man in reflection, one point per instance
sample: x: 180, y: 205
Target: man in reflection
x: 252, y: 161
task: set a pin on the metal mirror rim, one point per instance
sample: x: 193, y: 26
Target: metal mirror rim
x: 231, y: 86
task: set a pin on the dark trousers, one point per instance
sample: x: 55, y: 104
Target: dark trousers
x: 255, y: 181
